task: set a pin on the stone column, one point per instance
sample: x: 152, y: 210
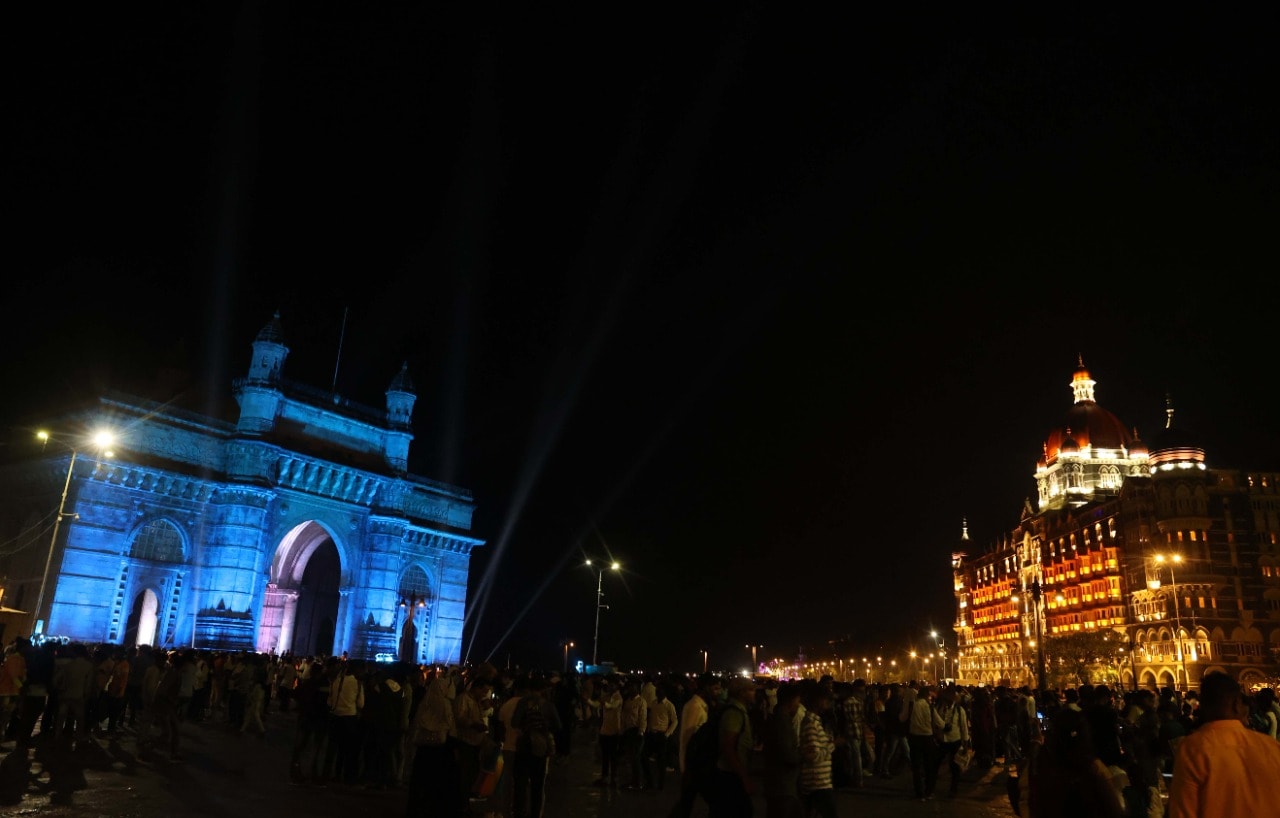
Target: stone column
x: 285, y: 645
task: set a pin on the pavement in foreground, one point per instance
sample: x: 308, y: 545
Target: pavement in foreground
x: 229, y: 775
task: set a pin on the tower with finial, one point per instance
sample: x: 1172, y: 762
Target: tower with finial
x: 259, y: 393
x: 400, y: 400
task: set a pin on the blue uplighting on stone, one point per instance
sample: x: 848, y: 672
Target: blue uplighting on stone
x: 295, y: 529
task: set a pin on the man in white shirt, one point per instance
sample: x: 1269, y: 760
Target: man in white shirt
x: 662, y: 726
x: 692, y: 716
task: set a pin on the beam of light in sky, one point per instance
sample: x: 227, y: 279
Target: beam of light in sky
x: 659, y: 204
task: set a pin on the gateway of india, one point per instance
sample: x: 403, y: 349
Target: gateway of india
x: 295, y: 529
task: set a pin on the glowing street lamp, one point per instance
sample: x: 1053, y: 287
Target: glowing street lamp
x: 595, y: 645
x: 1176, y: 559
x: 566, y: 645
x: 101, y: 442
x: 753, y: 649
x: 704, y: 660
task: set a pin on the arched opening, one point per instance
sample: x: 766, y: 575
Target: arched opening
x: 414, y: 615
x: 316, y: 624
x: 140, y: 627
x: 300, y: 607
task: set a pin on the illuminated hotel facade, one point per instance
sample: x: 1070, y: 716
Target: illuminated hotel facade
x: 1174, y: 562
x: 295, y: 529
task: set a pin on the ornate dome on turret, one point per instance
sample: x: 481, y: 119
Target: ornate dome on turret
x: 402, y: 382
x: 1136, y: 447
x: 1069, y: 445
x: 1175, y: 442
x: 1087, y: 425
x: 272, y: 332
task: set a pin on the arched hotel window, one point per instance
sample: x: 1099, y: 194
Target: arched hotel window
x: 1109, y: 477
x: 158, y: 540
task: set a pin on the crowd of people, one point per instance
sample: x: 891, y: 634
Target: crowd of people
x: 477, y: 740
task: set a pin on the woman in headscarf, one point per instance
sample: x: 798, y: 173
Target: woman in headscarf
x: 435, y: 785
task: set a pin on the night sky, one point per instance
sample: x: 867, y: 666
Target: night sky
x: 763, y: 304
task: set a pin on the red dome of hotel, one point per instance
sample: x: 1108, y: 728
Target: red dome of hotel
x: 1086, y: 423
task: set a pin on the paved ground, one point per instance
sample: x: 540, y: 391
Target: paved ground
x: 228, y: 775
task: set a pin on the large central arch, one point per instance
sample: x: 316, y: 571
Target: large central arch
x: 300, y: 606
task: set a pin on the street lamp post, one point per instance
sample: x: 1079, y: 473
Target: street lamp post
x: 1037, y: 598
x: 754, y: 648
x: 566, y: 645
x: 1177, y: 614
x: 942, y: 652
x: 704, y: 660
x: 595, y: 644
x: 101, y: 441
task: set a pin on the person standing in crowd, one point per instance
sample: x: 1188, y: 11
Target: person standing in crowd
x: 696, y: 711
x: 139, y: 661
x: 955, y: 734
x: 13, y: 673
x: 435, y: 784
x: 253, y: 684
x: 564, y: 694
x: 1268, y: 710
x: 855, y: 732
x: 896, y: 749
x: 635, y: 718
x: 1068, y: 779
x: 73, y: 680
x: 346, y: 700
x: 529, y: 781
x: 187, y: 690
x: 200, y: 696
x: 95, y: 706
x: 1223, y: 768
x: 306, y: 762
x: 923, y: 723
x: 469, y: 717
x: 509, y: 734
x: 817, y: 750
x: 286, y: 682
x: 662, y: 725
x: 610, y: 733
x: 731, y: 789
x: 35, y: 691
x: 782, y: 756
x: 384, y: 703
x: 982, y: 728
x: 164, y: 704
x: 117, y: 691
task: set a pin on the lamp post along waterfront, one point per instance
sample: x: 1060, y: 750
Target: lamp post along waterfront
x: 101, y: 440
x: 1036, y: 598
x: 595, y: 644
x: 1177, y: 615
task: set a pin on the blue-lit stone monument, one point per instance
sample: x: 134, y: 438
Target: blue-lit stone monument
x: 296, y: 529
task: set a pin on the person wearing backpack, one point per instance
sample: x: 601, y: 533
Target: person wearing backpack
x: 537, y: 720
x: 731, y: 786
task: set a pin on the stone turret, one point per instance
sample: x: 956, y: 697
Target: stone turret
x: 400, y: 400
x: 259, y: 394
